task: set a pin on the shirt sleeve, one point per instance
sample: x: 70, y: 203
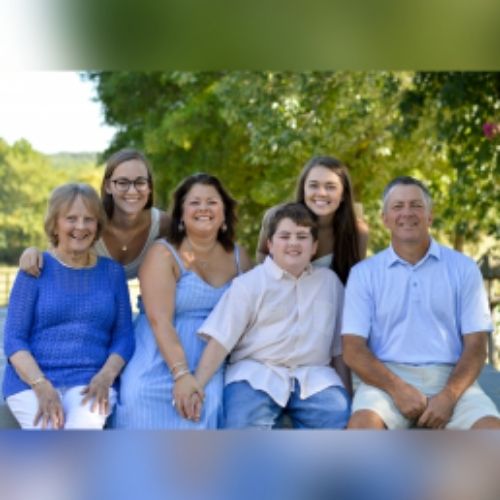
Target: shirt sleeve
x: 122, y: 335
x: 357, y: 315
x: 474, y: 309
x: 20, y: 314
x: 230, y: 318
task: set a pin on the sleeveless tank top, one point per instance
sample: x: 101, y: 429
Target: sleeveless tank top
x: 132, y: 268
x: 183, y: 269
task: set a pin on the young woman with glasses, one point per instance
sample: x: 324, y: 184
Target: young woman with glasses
x: 133, y: 223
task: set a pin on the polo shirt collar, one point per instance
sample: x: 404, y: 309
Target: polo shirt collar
x: 433, y: 251
x: 276, y: 272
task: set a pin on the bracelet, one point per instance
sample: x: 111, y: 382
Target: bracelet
x: 37, y: 381
x: 177, y: 365
x: 180, y: 374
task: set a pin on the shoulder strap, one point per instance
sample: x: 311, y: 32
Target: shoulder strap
x: 154, y: 229
x: 173, y: 251
x: 101, y: 248
x: 237, y: 258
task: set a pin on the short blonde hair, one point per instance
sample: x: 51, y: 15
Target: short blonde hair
x: 62, y: 198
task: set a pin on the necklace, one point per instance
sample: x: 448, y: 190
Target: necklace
x: 124, y: 245
x: 203, y: 263
x: 133, y: 231
x: 61, y: 260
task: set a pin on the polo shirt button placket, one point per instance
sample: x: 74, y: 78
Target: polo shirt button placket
x: 414, y: 286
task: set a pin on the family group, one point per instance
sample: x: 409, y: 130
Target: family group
x: 222, y: 343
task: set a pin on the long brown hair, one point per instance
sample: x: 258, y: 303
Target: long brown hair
x: 344, y: 227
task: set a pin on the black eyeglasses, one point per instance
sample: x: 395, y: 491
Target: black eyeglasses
x: 123, y: 184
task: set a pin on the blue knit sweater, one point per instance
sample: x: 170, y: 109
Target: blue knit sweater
x: 70, y: 320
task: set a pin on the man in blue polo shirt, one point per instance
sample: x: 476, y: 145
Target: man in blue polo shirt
x: 415, y: 326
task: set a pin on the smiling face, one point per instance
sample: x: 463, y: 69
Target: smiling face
x: 76, y: 228
x: 407, y: 215
x: 292, y: 246
x: 323, y: 191
x: 134, y: 199
x: 203, y: 210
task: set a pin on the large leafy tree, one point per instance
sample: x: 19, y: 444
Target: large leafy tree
x: 26, y: 179
x: 255, y: 130
x: 453, y: 109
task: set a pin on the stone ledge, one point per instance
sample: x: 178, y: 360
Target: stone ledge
x: 7, y: 421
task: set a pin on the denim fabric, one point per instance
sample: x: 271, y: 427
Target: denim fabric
x: 246, y: 407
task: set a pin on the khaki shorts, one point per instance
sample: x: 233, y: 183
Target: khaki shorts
x: 473, y: 405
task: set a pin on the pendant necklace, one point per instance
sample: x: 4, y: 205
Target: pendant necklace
x: 124, y: 245
x: 202, y: 263
x: 135, y: 232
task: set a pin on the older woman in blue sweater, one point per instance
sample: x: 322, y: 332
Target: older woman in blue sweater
x: 69, y: 333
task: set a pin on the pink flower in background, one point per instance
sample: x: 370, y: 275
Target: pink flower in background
x: 490, y: 129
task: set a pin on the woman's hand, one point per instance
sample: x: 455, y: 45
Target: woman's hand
x: 31, y: 261
x: 98, y: 391
x: 196, y: 402
x: 188, y: 396
x: 50, y: 410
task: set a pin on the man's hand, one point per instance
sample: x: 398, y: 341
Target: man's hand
x: 438, y: 412
x: 409, y: 400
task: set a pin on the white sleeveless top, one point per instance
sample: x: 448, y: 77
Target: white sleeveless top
x: 325, y: 261
x: 132, y: 268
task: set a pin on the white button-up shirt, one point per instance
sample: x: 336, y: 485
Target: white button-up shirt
x: 278, y: 327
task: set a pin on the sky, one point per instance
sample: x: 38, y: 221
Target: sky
x: 53, y: 110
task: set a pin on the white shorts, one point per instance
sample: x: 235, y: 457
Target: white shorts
x: 473, y: 405
x: 24, y: 407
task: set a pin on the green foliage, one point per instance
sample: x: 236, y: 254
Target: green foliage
x: 26, y: 180
x: 256, y: 129
x: 253, y: 129
x: 456, y: 106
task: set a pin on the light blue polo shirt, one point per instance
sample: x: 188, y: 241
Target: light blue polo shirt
x: 416, y: 314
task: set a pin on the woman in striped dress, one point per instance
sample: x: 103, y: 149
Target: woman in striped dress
x: 181, y: 282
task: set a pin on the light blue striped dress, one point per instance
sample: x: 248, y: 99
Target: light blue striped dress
x: 146, y: 384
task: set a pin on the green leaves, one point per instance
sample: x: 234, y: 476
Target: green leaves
x: 26, y: 180
x: 256, y: 129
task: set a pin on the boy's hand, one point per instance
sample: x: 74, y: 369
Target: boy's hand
x: 195, y: 407
x: 185, y: 388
